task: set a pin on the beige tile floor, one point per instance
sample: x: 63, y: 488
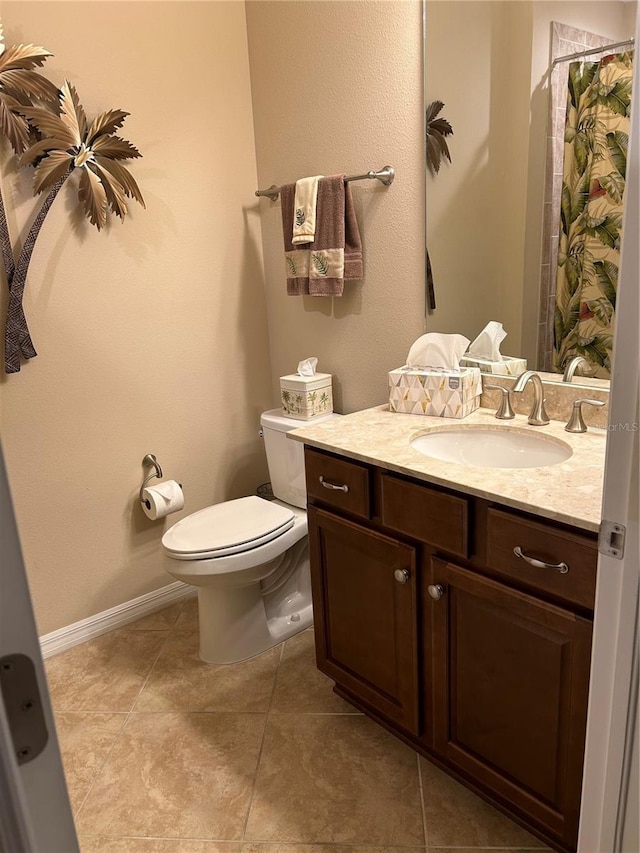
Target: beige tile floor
x: 166, y: 754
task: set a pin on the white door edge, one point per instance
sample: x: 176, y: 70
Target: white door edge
x: 613, y: 658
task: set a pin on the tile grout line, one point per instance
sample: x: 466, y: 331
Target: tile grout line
x: 422, y: 806
x: 327, y: 844
x: 195, y: 712
x: 330, y: 845
x: 264, y: 735
x: 126, y: 720
x: 101, y: 767
x: 355, y: 845
x: 155, y: 662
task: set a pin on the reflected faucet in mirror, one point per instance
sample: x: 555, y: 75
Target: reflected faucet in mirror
x: 573, y: 365
x: 494, y: 224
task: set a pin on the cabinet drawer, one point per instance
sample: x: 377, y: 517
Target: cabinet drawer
x: 549, y: 545
x: 426, y: 514
x: 338, y: 482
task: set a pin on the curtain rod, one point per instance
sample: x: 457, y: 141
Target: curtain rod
x: 384, y: 175
x: 592, y: 50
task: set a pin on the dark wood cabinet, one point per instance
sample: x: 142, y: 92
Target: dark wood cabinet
x: 364, y: 593
x: 425, y: 514
x: 509, y: 692
x: 462, y: 625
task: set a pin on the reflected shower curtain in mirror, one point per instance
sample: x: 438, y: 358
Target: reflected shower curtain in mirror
x: 595, y: 156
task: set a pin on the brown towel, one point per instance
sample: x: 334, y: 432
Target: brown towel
x: 321, y: 268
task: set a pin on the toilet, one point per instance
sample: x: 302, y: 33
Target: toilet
x: 249, y: 558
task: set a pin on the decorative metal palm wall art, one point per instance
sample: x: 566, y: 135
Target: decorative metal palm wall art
x: 437, y: 131
x: 48, y: 129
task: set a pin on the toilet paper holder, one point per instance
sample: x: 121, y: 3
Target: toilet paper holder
x: 150, y: 461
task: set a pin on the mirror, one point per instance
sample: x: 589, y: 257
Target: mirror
x: 489, y: 62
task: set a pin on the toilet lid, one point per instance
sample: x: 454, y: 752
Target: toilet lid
x: 228, y: 528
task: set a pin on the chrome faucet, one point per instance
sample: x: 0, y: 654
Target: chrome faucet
x: 538, y: 415
x: 572, y: 365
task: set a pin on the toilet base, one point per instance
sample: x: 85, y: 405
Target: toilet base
x: 235, y: 627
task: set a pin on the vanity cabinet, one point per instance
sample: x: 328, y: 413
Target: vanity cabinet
x: 462, y: 625
x: 365, y: 595
x: 508, y: 699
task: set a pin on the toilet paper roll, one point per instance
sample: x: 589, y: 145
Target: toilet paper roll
x: 163, y: 499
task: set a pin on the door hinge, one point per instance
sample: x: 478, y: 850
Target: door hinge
x: 611, y: 539
x: 19, y: 688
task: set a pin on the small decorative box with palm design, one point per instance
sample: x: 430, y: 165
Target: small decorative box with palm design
x: 306, y: 397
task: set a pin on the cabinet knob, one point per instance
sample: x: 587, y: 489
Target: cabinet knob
x: 436, y: 591
x: 402, y: 575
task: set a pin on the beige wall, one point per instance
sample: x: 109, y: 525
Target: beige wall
x: 337, y: 87
x: 478, y: 65
x: 152, y: 336
x: 487, y: 61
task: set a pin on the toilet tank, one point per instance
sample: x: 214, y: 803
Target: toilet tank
x: 285, y: 457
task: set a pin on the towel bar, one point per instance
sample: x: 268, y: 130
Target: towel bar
x: 384, y: 175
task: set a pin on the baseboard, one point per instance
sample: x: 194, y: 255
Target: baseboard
x: 86, y: 629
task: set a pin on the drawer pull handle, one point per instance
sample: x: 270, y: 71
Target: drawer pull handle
x: 334, y: 486
x: 436, y: 591
x: 563, y: 568
x: 402, y: 575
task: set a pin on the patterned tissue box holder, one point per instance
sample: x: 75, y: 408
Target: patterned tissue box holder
x: 306, y: 397
x: 437, y: 392
x: 508, y: 366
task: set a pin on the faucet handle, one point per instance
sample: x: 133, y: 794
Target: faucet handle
x: 504, y: 412
x: 576, y: 421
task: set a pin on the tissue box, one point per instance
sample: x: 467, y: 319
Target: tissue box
x: 509, y: 366
x: 306, y: 397
x: 439, y: 393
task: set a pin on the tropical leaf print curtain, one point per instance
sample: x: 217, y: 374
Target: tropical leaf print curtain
x: 595, y: 158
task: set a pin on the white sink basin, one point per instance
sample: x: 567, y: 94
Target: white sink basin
x: 486, y: 447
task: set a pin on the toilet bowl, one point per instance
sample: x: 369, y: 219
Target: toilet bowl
x: 249, y: 558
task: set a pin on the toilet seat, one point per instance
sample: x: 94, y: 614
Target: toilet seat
x: 232, y: 527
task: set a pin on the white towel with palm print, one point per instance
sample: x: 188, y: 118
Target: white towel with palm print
x: 305, y: 204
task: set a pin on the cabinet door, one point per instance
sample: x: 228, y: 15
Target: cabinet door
x: 364, y: 600
x: 509, y: 693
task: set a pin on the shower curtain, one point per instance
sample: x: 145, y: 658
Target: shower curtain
x: 595, y: 156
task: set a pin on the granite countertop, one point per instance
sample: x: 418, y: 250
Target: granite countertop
x: 570, y: 492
